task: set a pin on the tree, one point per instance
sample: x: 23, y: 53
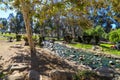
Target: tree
x: 1, y: 26
x: 95, y: 33
x: 20, y: 25
x: 114, y: 35
x: 12, y: 23
x: 26, y: 9
x: 4, y: 22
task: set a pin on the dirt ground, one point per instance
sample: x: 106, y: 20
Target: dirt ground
x: 9, y: 53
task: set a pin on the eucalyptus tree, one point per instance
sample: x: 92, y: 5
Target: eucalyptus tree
x: 11, y: 23
x: 4, y: 23
x: 115, y: 4
x: 20, y: 25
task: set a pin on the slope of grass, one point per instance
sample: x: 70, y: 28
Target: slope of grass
x: 105, y: 47
x: 81, y: 45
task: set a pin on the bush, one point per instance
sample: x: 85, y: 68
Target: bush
x: 41, y: 39
x: 26, y: 40
x: 86, y: 75
x: 93, y: 33
x: 114, y: 36
x: 68, y: 38
x: 35, y: 38
x: 18, y: 37
x: 105, y: 36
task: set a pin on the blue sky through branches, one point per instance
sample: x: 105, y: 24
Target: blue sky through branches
x: 5, y: 13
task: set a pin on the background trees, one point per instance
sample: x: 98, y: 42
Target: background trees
x: 66, y: 16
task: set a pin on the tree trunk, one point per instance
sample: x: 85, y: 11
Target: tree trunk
x: 26, y: 16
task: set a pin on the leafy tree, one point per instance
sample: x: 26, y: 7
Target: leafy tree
x: 12, y: 22
x: 20, y: 25
x: 114, y: 35
x: 4, y: 22
x: 95, y: 33
x: 98, y: 30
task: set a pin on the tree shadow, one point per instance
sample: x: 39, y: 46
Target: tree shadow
x: 49, y: 62
x: 21, y: 58
x: 46, y: 62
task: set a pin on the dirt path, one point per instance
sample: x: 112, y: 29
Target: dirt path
x: 5, y: 51
x: 47, y: 62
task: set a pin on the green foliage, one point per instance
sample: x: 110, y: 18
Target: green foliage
x: 40, y: 41
x: 9, y: 35
x: 18, y: 37
x: 105, y: 36
x: 98, y: 30
x: 2, y: 75
x: 114, y: 36
x: 25, y: 38
x: 35, y: 37
x: 86, y: 75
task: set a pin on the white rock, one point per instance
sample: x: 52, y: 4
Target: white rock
x: 15, y: 76
x: 18, y: 66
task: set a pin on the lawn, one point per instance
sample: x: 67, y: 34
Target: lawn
x: 81, y: 45
x: 105, y: 47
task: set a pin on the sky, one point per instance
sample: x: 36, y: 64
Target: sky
x: 5, y: 13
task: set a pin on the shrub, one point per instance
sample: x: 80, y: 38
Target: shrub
x: 105, y: 36
x: 35, y: 38
x: 41, y: 39
x: 68, y: 38
x: 26, y: 40
x: 114, y: 36
x: 18, y: 37
x: 2, y: 76
x: 94, y: 33
x: 86, y: 75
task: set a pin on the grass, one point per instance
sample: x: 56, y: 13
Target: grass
x: 81, y: 45
x: 105, y: 47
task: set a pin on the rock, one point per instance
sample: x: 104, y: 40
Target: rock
x: 33, y: 75
x: 111, y: 63
x: 81, y: 58
x: 117, y: 61
x: 7, y: 68
x: 18, y: 46
x: 105, y: 71
x: 84, y: 67
x: 18, y: 66
x: 15, y: 76
x: 61, y: 75
x: 72, y: 56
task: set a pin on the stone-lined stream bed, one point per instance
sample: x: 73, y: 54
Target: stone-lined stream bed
x: 82, y: 57
x: 104, y: 64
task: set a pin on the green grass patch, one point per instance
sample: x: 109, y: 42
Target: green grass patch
x: 107, y: 48
x: 81, y: 45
